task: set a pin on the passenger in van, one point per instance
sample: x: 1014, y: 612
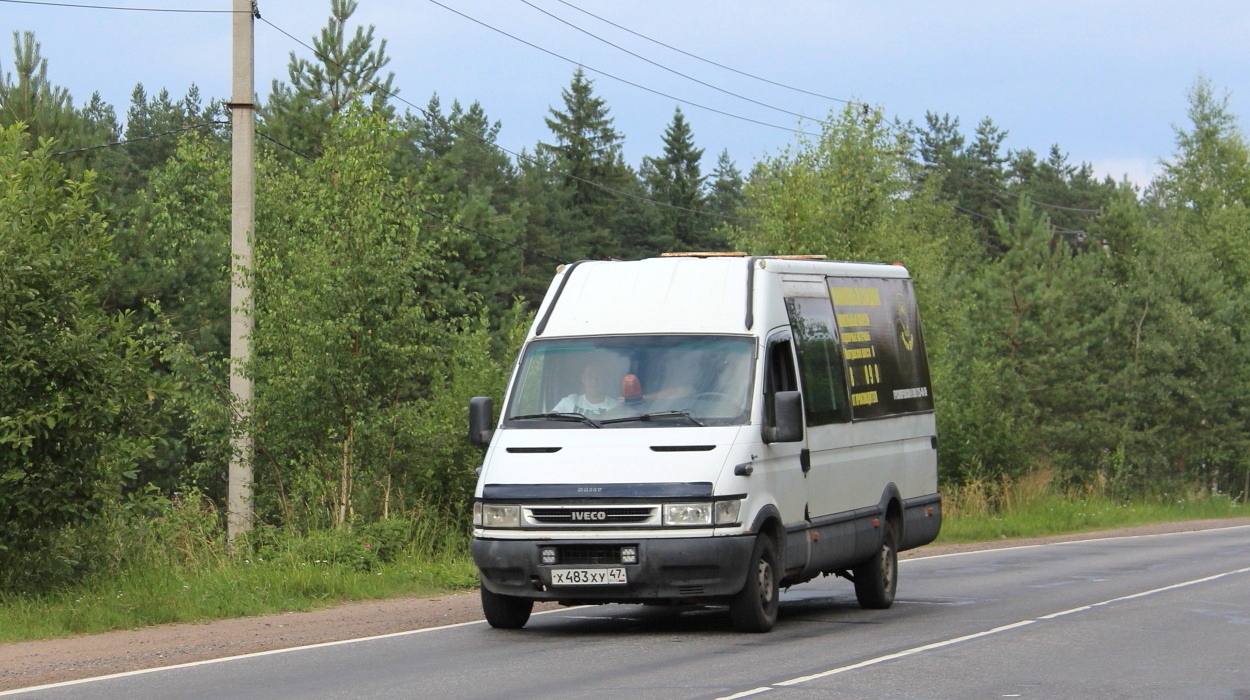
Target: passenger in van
x: 594, y: 397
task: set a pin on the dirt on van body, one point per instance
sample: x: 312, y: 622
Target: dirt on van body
x: 26, y: 664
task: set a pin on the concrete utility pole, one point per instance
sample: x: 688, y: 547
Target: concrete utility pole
x: 242, y: 221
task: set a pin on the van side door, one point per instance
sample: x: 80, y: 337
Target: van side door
x: 783, y: 461
x: 838, y: 482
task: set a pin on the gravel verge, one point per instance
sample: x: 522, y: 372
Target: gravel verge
x: 26, y: 664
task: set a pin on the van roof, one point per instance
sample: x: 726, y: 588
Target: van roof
x: 687, y: 293
x: 732, y: 254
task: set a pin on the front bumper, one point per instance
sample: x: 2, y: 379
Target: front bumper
x: 668, y: 570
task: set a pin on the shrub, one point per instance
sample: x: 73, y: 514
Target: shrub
x: 78, y: 406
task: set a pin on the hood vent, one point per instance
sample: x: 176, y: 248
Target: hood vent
x: 533, y: 450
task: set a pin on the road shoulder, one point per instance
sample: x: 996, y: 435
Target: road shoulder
x: 26, y: 664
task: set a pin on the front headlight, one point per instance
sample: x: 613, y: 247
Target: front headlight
x: 702, y: 514
x: 688, y: 514
x: 493, y: 515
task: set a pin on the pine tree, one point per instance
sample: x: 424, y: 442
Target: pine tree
x: 675, y: 179
x: 1070, y: 194
x: 344, y: 72
x: 475, y: 185
x: 547, y: 219
x: 45, y: 109
x: 100, y: 126
x: 942, y: 151
x: 726, y: 197
x: 587, y: 154
x: 986, y: 185
x: 159, y: 114
x: 973, y: 177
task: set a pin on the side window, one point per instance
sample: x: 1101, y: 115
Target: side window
x: 781, y: 375
x: 820, y: 360
x: 879, y: 329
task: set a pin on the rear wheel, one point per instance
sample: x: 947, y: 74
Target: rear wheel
x: 754, y: 608
x: 877, y: 579
x: 507, y: 612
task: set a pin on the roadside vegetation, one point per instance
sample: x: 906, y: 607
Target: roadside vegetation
x: 166, y: 561
x: 1087, y: 338
x: 171, y: 564
x: 1036, y: 506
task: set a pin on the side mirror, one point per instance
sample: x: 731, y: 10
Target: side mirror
x: 481, y: 408
x: 788, y: 409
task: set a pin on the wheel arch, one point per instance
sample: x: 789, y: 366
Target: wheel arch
x: 768, y: 522
x: 891, y: 509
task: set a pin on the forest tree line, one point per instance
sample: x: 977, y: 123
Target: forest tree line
x: 1074, y: 324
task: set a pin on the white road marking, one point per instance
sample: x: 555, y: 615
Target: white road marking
x: 920, y: 552
x: 747, y: 693
x: 986, y: 633
x: 271, y: 652
x: 253, y: 655
x: 901, y: 654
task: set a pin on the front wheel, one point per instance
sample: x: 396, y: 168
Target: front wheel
x: 754, y: 608
x: 506, y: 612
x: 876, y: 580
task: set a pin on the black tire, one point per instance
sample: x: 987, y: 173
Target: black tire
x: 507, y: 612
x: 876, y: 580
x: 754, y: 608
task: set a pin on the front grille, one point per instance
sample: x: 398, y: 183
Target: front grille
x: 579, y: 554
x: 601, y: 515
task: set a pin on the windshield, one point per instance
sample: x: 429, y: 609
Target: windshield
x: 633, y: 381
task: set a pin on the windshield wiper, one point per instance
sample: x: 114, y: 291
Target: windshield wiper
x: 569, y: 417
x: 658, y: 414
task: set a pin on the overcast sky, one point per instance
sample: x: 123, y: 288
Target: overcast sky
x: 1106, y: 80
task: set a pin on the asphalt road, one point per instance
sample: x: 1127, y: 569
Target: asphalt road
x: 1164, y: 616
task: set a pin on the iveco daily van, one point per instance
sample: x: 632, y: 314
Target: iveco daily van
x: 707, y: 429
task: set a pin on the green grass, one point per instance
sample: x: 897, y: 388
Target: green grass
x: 1056, y: 515
x: 168, y: 562
x: 154, y: 595
x: 183, y: 573
x: 1033, y: 506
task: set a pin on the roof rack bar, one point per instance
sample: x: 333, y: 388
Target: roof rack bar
x: 751, y: 291
x: 568, y: 272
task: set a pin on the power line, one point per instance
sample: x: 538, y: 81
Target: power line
x: 514, y: 154
x: 889, y: 125
x: 620, y: 79
x: 611, y: 190
x: 671, y: 70
x: 1010, y: 224
x: 148, y: 137
x: 892, y: 125
x: 124, y: 9
x: 700, y: 58
x: 255, y: 11
x: 1001, y: 190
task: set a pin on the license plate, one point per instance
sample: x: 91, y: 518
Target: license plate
x: 588, y: 577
